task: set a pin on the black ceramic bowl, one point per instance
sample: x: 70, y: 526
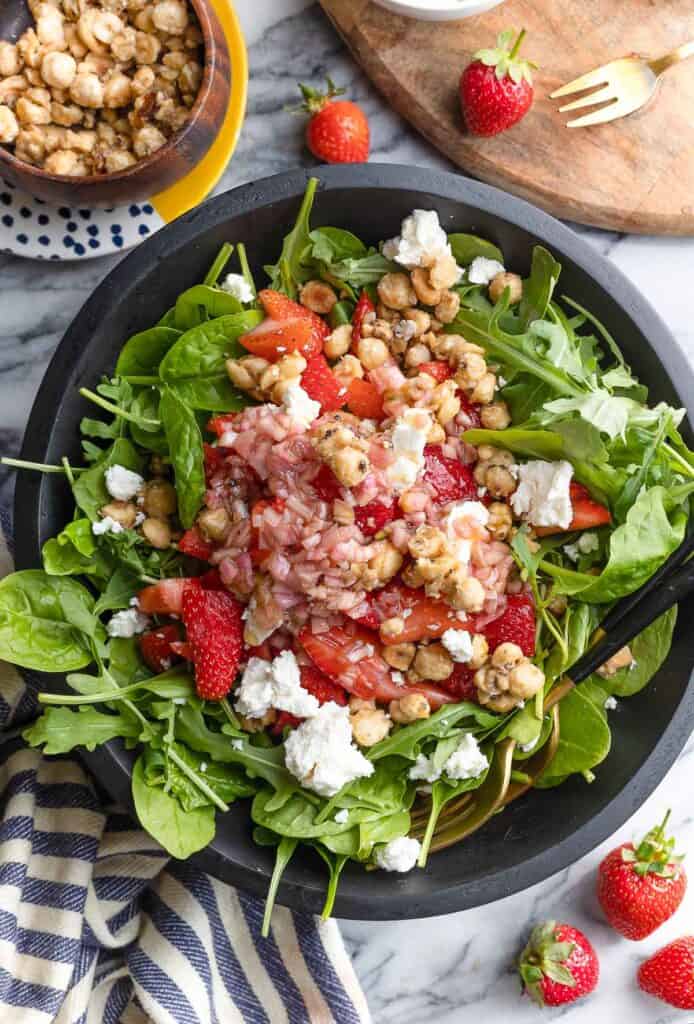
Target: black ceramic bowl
x: 545, y: 830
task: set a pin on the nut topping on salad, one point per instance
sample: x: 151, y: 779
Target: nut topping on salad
x: 345, y: 513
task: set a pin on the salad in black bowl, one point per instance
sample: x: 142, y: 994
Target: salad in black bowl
x: 336, y: 540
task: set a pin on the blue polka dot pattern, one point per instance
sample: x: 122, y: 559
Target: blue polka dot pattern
x: 41, y: 231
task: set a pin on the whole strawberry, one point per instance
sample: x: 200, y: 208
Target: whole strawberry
x: 558, y: 965
x: 496, y: 89
x: 338, y: 131
x: 669, y: 974
x: 640, y: 888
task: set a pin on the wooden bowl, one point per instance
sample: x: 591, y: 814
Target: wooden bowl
x: 173, y: 161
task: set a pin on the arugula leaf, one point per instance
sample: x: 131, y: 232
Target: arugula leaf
x: 637, y: 548
x: 650, y: 649
x: 407, y: 741
x: 141, y: 354
x: 285, y: 851
x: 180, y: 832
x: 187, y: 455
x: 89, y: 487
x: 145, y: 406
x: 467, y: 248
x: 60, y: 730
x: 359, y: 272
x: 37, y: 621
x: 195, y: 365
x: 538, y: 289
x: 203, y: 302
x: 289, y: 271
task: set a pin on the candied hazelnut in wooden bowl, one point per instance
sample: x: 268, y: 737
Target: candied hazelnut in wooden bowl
x: 108, y: 101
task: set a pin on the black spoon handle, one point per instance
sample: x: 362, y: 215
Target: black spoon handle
x: 672, y: 589
x: 624, y: 607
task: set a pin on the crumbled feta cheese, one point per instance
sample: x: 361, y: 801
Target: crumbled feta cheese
x: 611, y: 702
x: 203, y: 766
x: 458, y: 643
x: 127, y: 623
x: 468, y: 761
x: 299, y: 406
x: 398, y: 855
x: 527, y: 747
x: 571, y: 551
x: 121, y: 483
x: 405, y: 329
x: 320, y: 752
x: 482, y: 270
x: 421, y: 239
x: 227, y: 438
x: 341, y: 816
x: 134, y: 602
x: 542, y: 496
x: 586, y: 543
x: 409, y: 439
x: 398, y: 678
x: 424, y: 769
x: 238, y: 286
x: 274, y: 684
x: 237, y: 744
x: 501, y: 382
x: 106, y: 525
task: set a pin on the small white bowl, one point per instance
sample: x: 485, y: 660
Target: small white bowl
x: 438, y: 10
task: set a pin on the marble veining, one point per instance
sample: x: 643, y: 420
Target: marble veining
x: 447, y: 970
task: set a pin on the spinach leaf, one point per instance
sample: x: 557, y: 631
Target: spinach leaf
x: 335, y: 866
x: 637, y: 548
x: 407, y: 741
x: 37, y: 621
x: 141, y: 354
x: 89, y: 487
x: 201, y: 303
x: 74, y: 552
x: 537, y: 290
x: 584, y: 737
x: 60, y: 730
x: 466, y: 248
x: 650, y: 649
x: 290, y: 271
x: 180, y: 832
x: 330, y: 245
x: 187, y: 455
x: 195, y: 368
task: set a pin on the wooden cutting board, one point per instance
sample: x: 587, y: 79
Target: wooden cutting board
x: 636, y: 174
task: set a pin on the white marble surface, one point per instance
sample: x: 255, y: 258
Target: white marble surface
x: 455, y: 968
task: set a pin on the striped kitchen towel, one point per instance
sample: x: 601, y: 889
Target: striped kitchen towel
x: 97, y: 926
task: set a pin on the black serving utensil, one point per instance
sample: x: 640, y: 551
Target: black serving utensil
x: 673, y: 582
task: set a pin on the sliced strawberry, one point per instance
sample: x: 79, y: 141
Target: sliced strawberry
x: 365, y: 400
x: 284, y: 720
x: 163, y: 598
x: 460, y: 683
x: 326, y: 485
x: 280, y: 307
x: 369, y: 677
x: 470, y: 411
x: 515, y: 625
x: 320, y: 383
x: 449, y: 478
x: 439, y: 370
x: 274, y: 338
x: 373, y: 517
x: 321, y: 686
x: 215, y: 456
x: 211, y: 580
x: 192, y: 543
x: 156, y: 647
x: 424, y: 617
x: 363, y: 306
x: 587, y: 513
x: 219, y: 425
x: 214, y: 628
x: 183, y: 649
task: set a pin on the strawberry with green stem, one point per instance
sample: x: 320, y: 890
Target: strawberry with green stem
x: 558, y: 965
x: 338, y: 130
x: 496, y: 89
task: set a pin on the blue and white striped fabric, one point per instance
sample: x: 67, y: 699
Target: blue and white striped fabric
x: 97, y: 926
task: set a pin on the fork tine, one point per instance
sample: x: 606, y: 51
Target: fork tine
x: 611, y: 112
x: 600, y: 96
x: 587, y: 81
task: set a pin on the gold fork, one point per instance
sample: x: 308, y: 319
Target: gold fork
x: 627, y: 85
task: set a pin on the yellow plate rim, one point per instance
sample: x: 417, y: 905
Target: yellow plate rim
x: 197, y: 185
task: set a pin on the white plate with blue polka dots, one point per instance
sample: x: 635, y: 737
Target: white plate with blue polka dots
x: 36, y: 230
